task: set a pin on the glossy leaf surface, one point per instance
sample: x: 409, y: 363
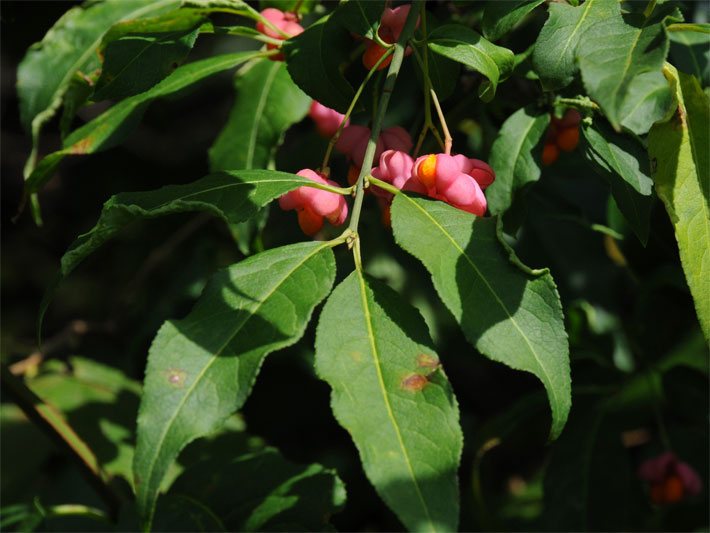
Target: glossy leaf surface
x: 512, y: 314
x: 467, y: 47
x: 201, y: 368
x: 392, y: 398
x: 140, y: 53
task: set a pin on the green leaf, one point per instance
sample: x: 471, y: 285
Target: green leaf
x: 468, y: 48
x: 512, y: 156
x: 47, y: 69
x: 508, y: 312
x: 623, y: 162
x: 553, y: 56
x: 233, y: 196
x: 361, y: 17
x: 501, y: 17
x: 279, y: 495
x: 690, y: 53
x: 391, y: 396
x: 647, y: 101
x: 313, y: 59
x: 267, y: 104
x: 201, y: 368
x: 73, y: 388
x: 112, y: 126
x: 612, y: 53
x: 678, y: 150
x: 140, y: 53
x: 443, y: 73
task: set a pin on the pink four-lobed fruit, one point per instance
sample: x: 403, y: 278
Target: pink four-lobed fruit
x: 313, y: 205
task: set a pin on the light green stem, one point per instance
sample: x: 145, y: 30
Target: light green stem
x: 377, y: 125
x: 336, y: 136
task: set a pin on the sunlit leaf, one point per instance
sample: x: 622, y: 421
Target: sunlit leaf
x: 201, y: 368
x: 679, y: 155
x: 512, y: 314
x: 391, y: 396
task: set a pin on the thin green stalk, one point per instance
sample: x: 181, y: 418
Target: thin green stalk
x: 336, y: 136
x: 428, y: 90
x: 392, y: 74
x: 383, y: 185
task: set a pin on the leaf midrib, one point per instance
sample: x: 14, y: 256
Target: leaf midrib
x: 587, y: 7
x: 551, y: 389
x: 199, y: 376
x: 385, y: 396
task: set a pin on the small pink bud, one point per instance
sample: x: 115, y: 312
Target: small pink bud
x: 327, y: 120
x: 392, y: 23
x: 396, y: 138
x: 669, y: 479
x: 460, y: 191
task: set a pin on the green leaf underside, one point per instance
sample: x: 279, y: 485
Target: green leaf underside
x: 112, y: 126
x: 233, y: 196
x: 267, y: 104
x: 511, y: 314
x: 499, y: 18
x: 649, y: 99
x: 623, y: 162
x: 409, y: 440
x: 313, y: 59
x: 678, y: 148
x: 201, y: 368
x: 467, y: 47
x: 613, y: 52
x: 279, y: 495
x: 47, y: 69
x: 512, y: 157
x: 140, y: 53
x: 553, y: 55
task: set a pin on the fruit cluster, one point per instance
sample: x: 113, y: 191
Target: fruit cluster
x: 563, y: 134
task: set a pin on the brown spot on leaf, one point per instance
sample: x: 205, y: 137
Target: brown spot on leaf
x: 427, y: 361
x: 176, y: 377
x: 414, y: 382
x: 81, y: 147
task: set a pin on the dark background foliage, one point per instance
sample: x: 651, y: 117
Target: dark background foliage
x: 626, y: 310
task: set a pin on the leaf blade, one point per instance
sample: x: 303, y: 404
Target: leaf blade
x: 367, y: 366
x: 467, y: 47
x: 678, y: 149
x: 108, y: 129
x: 512, y: 156
x: 523, y: 326
x: 184, y: 398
